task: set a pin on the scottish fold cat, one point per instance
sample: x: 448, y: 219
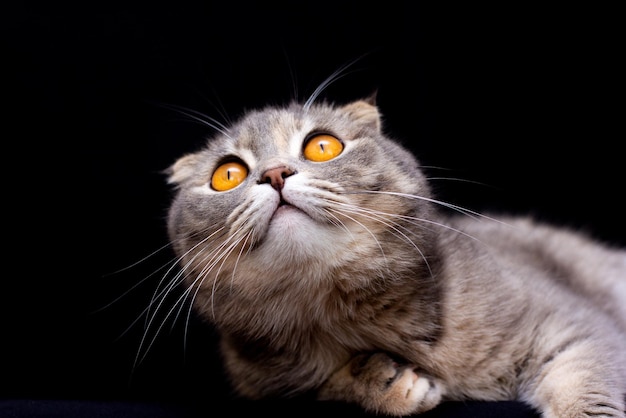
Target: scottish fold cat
x: 313, y: 243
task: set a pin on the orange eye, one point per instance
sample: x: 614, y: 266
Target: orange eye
x: 228, y: 176
x: 322, y: 148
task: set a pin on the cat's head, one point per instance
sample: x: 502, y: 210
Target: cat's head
x: 301, y: 189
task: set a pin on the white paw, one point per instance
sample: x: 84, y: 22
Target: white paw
x: 411, y: 393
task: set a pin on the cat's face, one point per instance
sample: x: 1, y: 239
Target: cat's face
x: 293, y: 190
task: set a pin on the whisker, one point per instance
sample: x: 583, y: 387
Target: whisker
x: 232, y: 276
x: 141, y: 260
x: 158, y: 294
x: 420, y: 221
x: 223, y: 257
x: 293, y: 76
x: 365, y: 228
x: 337, y: 222
x: 199, y: 117
x: 219, y: 108
x: 460, y: 209
x: 336, y: 75
x: 376, y: 216
x: 145, y: 345
x: 172, y: 265
x: 459, y: 179
x: 197, y: 283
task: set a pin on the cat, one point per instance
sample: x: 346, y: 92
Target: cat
x: 313, y: 243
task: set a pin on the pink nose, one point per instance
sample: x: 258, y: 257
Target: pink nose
x: 276, y: 176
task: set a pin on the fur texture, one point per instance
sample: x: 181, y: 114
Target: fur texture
x: 344, y: 276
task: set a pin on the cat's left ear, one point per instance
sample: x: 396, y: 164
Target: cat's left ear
x: 365, y: 112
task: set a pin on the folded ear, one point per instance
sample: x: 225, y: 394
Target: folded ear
x: 365, y: 112
x: 182, y: 169
x: 371, y: 99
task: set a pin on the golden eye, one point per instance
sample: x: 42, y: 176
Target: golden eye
x: 228, y: 176
x: 322, y: 148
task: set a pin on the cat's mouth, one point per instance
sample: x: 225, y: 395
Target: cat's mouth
x: 284, y: 207
x: 283, y: 204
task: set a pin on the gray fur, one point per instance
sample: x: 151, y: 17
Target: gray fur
x: 370, y: 294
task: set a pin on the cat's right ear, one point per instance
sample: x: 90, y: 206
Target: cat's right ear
x: 182, y: 169
x: 364, y: 112
x: 371, y: 99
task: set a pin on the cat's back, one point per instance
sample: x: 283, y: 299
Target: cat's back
x: 543, y: 262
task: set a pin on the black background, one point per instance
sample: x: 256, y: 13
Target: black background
x: 525, y: 102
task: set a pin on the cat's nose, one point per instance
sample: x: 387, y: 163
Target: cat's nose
x: 276, y: 176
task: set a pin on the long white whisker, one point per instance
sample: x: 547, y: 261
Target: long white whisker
x: 215, y: 257
x: 418, y: 221
x: 200, y: 117
x: 205, y: 272
x: 172, y: 264
x: 178, y: 304
x: 197, y: 283
x: 376, y: 216
x: 229, y: 251
x: 457, y: 208
x: 339, y: 222
x: 136, y: 263
x: 336, y: 75
x: 158, y: 293
x: 341, y: 212
x: 232, y: 276
x: 458, y: 179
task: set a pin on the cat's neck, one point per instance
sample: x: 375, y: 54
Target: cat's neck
x: 304, y: 298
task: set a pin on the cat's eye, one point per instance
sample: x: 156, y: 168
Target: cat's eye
x: 228, y: 176
x: 323, y: 147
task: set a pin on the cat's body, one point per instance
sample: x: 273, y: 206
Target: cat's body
x: 327, y: 266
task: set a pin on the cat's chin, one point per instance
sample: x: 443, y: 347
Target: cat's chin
x: 285, y: 210
x: 291, y: 229
x: 289, y: 219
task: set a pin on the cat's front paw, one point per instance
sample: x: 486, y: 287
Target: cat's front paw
x: 395, y: 388
x: 382, y: 385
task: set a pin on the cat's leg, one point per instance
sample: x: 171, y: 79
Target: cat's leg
x: 381, y: 385
x: 576, y: 383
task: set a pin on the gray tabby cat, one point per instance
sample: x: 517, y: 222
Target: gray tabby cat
x: 312, y: 242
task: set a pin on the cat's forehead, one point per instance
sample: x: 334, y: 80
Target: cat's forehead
x: 269, y: 126
x: 272, y: 129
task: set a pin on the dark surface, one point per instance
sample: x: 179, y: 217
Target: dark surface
x: 520, y: 101
x: 288, y: 409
